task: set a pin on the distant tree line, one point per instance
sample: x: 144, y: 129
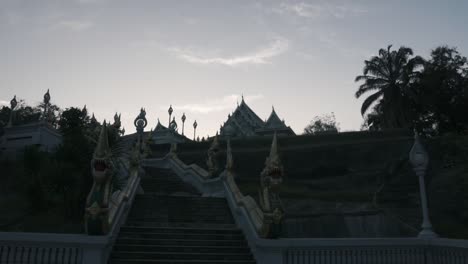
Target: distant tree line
x: 60, y: 179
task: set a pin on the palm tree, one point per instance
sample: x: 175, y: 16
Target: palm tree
x: 390, y: 76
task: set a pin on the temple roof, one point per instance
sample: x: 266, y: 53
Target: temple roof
x: 165, y: 135
x: 245, y: 122
x: 242, y: 122
x: 246, y: 111
x: 159, y: 126
x: 274, y: 121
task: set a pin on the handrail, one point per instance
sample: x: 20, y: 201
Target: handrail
x: 193, y: 174
x: 250, y: 207
x: 122, y: 200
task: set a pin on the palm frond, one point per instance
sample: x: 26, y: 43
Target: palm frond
x: 369, y: 101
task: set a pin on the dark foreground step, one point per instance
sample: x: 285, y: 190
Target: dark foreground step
x: 147, y: 224
x: 181, y: 236
x: 183, y: 230
x: 179, y: 255
x: 180, y: 242
x: 175, y: 261
x: 186, y: 249
x: 220, y: 220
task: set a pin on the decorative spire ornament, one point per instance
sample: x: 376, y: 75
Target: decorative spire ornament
x: 13, y: 104
x: 47, y: 97
x: 84, y: 111
x: 195, y: 124
x: 183, y: 123
x: 170, y: 110
x: 46, y: 105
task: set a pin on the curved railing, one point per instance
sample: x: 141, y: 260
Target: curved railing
x: 192, y: 174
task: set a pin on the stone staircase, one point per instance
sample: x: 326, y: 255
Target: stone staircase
x: 171, y: 223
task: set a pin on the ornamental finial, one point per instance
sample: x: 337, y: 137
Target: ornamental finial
x: 13, y: 103
x: 418, y: 156
x: 47, y: 97
x: 170, y: 110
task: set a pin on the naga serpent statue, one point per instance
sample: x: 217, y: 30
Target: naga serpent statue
x: 97, y: 202
x: 270, y: 180
x: 212, y: 161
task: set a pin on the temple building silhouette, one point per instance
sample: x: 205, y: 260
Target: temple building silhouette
x: 244, y: 122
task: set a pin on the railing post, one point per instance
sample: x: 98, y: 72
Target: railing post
x: 271, y: 256
x: 93, y: 256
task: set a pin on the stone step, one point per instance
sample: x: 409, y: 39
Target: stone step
x: 207, y: 219
x: 122, y: 255
x: 187, y: 249
x: 172, y: 223
x: 183, y: 230
x: 187, y: 205
x: 177, y: 261
x: 175, y: 198
x: 180, y: 242
x: 146, y: 224
x: 173, y: 211
x: 181, y: 236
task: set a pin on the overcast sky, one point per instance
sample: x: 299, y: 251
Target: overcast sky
x: 200, y: 56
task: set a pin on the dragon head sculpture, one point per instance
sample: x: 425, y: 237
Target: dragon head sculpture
x: 97, y: 203
x: 101, y: 165
x: 272, y: 174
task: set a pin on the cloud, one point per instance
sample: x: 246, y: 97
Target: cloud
x: 217, y: 104
x: 4, y: 103
x: 318, y: 10
x: 73, y: 25
x: 261, y: 56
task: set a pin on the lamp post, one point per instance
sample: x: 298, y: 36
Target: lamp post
x: 194, y: 129
x: 140, y: 123
x: 170, y: 113
x: 183, y: 122
x: 419, y: 160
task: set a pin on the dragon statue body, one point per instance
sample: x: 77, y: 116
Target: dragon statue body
x: 213, y: 155
x: 97, y: 202
x: 270, y: 181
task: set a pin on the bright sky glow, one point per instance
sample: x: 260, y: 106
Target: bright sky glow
x: 200, y: 56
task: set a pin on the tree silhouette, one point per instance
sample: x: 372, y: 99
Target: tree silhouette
x: 325, y: 124
x: 390, y: 76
